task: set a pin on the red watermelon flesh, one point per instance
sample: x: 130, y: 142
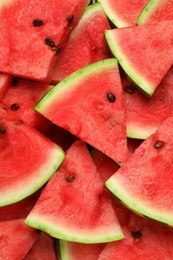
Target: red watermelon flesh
x: 16, y: 239
x: 5, y: 80
x: 79, y: 251
x: 144, y: 115
x: 32, y: 32
x: 43, y: 248
x: 123, y: 13
x: 106, y: 168
x: 86, y: 44
x: 144, y: 182
x: 145, y: 52
x: 27, y: 159
x: 74, y: 205
x: 89, y: 103
x: 21, y: 98
x: 20, y: 209
x: 155, y: 11
x: 145, y: 239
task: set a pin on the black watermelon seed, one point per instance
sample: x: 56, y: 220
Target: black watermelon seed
x: 57, y: 49
x: 15, y: 106
x: 19, y: 122
x: 70, y: 178
x: 2, y: 130
x: 136, y: 234
x: 111, y: 97
x: 158, y: 144
x: 70, y: 19
x: 129, y: 90
x: 37, y: 23
x: 14, y: 82
x: 49, y: 42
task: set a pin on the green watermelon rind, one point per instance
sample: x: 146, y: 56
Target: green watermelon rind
x: 99, y: 235
x: 60, y: 90
x: 148, y: 10
x: 128, y: 67
x: 111, y: 14
x: 28, y: 186
x: 139, y: 132
x: 139, y: 206
x: 63, y: 248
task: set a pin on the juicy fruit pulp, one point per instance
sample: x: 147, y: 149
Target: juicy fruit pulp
x: 98, y: 110
x: 62, y: 206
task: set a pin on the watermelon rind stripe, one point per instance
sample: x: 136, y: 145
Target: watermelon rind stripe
x: 128, y: 67
x: 26, y: 187
x: 148, y: 10
x: 90, y: 236
x: 112, y: 15
x: 135, y: 204
x: 138, y: 132
x: 63, y: 247
x: 66, y: 85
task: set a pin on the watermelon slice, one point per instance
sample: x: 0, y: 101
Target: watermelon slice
x: 144, y: 115
x: 74, y: 205
x: 21, y: 98
x: 32, y: 33
x: 16, y: 239
x: 43, y: 248
x: 144, y: 52
x: 123, y: 13
x: 145, y: 240
x: 144, y: 182
x: 27, y: 159
x: 74, y: 251
x: 89, y: 103
x: 5, y: 80
x: 86, y: 44
x: 155, y: 11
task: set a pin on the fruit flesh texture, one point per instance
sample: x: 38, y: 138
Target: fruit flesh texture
x: 144, y: 182
x: 69, y: 106
x: 86, y: 44
x: 144, y: 52
x: 155, y: 11
x: 5, y: 80
x: 123, y: 13
x: 74, y: 213
x: 23, y: 45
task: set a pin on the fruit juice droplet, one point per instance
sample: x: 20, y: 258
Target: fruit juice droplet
x: 111, y: 97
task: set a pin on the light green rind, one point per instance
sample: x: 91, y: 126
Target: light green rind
x: 148, y: 10
x: 99, y: 235
x: 67, y: 85
x: 5, y: 2
x: 137, y: 77
x: 28, y: 186
x: 110, y: 13
x: 137, y: 132
x: 63, y: 248
x: 139, y: 206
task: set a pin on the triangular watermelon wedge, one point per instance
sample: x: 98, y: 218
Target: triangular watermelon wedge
x: 16, y: 239
x: 74, y: 205
x: 32, y: 34
x: 145, y: 182
x: 145, y: 52
x: 27, y: 159
x: 89, y: 103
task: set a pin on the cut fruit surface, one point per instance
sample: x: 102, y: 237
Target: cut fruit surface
x: 123, y: 13
x: 89, y: 103
x: 86, y: 44
x: 27, y: 159
x: 32, y: 33
x: 74, y: 205
x: 5, y: 80
x: 144, y: 183
x: 155, y: 11
x: 144, y: 115
x: 145, y: 52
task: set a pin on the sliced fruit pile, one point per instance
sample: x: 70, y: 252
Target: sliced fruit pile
x: 86, y: 101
